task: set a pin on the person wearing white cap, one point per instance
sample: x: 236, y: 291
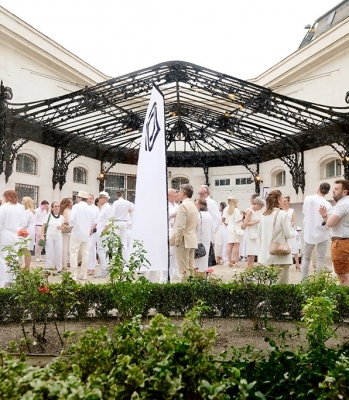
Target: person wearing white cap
x: 104, y: 215
x: 121, y: 208
x: 82, y: 221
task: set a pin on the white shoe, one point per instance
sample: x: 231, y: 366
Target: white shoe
x: 38, y: 259
x: 102, y: 275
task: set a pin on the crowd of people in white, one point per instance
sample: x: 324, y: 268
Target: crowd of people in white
x: 73, y: 238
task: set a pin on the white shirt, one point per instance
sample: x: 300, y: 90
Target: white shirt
x: 52, y: 232
x: 82, y: 220
x: 341, y: 209
x: 172, y: 208
x: 40, y: 216
x: 10, y: 223
x: 121, y: 208
x: 314, y: 232
x: 214, y: 211
x: 95, y: 211
x: 105, y: 213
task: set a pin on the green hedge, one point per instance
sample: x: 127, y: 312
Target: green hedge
x: 130, y: 299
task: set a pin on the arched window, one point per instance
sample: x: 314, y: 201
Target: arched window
x: 178, y: 181
x: 79, y: 175
x: 26, y: 163
x: 333, y: 168
x: 280, y: 178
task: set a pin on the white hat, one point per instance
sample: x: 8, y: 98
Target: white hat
x: 82, y: 194
x: 104, y: 194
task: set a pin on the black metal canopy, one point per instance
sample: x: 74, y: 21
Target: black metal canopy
x: 212, y: 119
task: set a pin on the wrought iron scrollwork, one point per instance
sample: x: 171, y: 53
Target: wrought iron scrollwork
x: 295, y: 163
x: 205, y: 168
x: 343, y: 152
x: 9, y: 141
x: 62, y: 160
x: 256, y: 177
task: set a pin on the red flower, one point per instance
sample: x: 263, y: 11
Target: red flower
x: 210, y: 271
x: 43, y: 289
x: 23, y: 233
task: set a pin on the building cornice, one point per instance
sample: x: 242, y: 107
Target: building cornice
x: 20, y: 35
x: 299, y: 63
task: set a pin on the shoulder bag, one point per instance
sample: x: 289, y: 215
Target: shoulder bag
x: 200, y: 251
x: 42, y: 242
x: 275, y: 248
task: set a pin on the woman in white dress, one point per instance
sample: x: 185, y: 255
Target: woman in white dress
x: 251, y: 223
x: 204, y: 234
x: 293, y: 242
x: 28, y: 223
x: 54, y: 240
x: 220, y: 237
x: 11, y: 214
x: 65, y: 209
x: 281, y: 232
x: 232, y: 218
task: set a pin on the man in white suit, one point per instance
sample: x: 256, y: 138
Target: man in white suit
x: 121, y: 209
x: 82, y: 221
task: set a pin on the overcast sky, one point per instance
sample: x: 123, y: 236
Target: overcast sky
x: 242, y: 38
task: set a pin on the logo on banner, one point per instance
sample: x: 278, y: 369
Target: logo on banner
x: 152, y: 129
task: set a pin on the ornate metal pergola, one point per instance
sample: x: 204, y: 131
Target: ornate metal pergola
x: 212, y: 119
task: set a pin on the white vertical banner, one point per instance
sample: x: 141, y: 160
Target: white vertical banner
x: 150, y: 220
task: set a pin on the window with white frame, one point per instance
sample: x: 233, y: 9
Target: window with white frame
x: 80, y: 175
x: 222, y: 182
x: 26, y: 163
x: 280, y: 178
x: 333, y: 169
x: 27, y: 191
x: 122, y: 182
x: 178, y: 181
x: 243, y: 181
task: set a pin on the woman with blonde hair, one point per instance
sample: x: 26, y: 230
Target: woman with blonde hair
x: 274, y: 224
x: 232, y: 218
x: 251, y: 224
x: 28, y: 223
x: 65, y: 209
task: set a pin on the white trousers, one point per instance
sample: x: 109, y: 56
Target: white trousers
x: 92, y: 251
x: 75, y: 246
x: 65, y: 251
x: 320, y: 257
x: 38, y: 249
x: 54, y: 253
x: 102, y: 251
x: 122, y: 232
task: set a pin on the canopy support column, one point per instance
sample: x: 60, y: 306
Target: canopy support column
x: 295, y: 163
x: 62, y: 160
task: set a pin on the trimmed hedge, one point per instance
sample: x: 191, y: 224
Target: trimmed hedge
x: 130, y: 299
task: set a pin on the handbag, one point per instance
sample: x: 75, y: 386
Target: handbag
x: 200, y: 251
x: 240, y: 232
x: 42, y: 242
x: 66, y: 229
x: 211, y: 257
x: 253, y: 235
x: 275, y: 248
